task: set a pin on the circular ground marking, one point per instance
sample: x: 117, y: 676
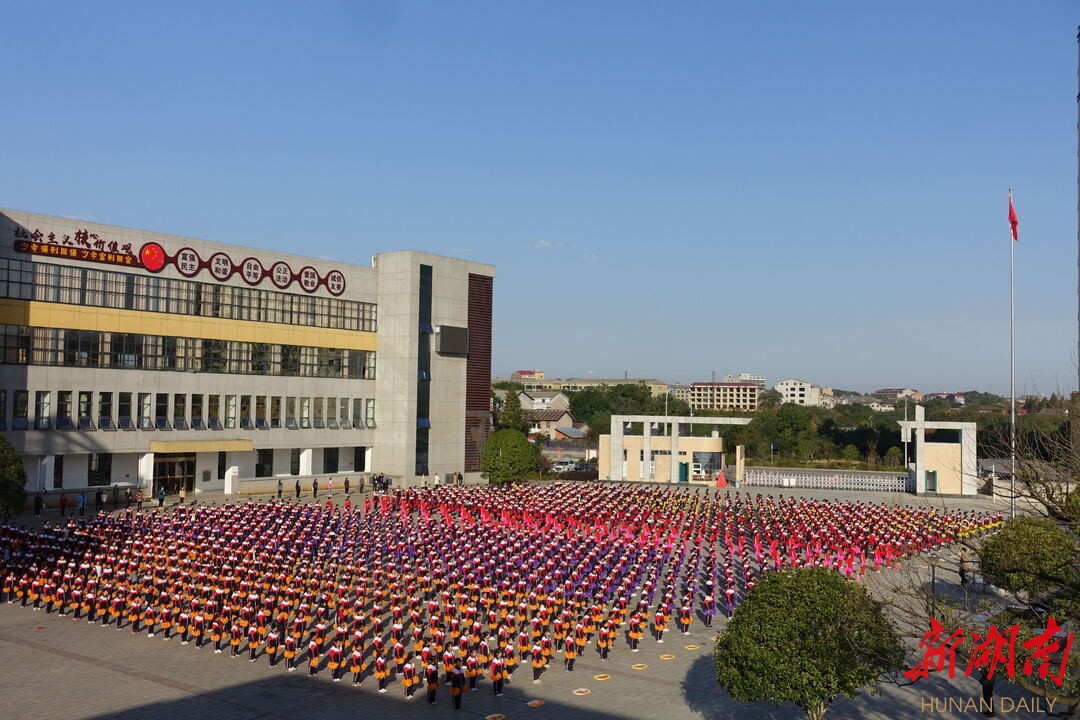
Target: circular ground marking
x: 667, y: 657
x: 601, y: 676
x: 535, y: 703
x: 582, y: 691
x: 693, y: 647
x: 639, y: 666
x: 495, y: 716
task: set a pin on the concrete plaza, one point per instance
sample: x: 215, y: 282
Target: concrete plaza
x: 60, y: 668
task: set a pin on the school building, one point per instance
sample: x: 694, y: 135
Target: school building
x: 140, y: 358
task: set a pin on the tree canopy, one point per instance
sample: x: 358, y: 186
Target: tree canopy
x: 1030, y: 555
x: 512, y: 416
x: 808, y: 637
x: 508, y: 456
x: 12, y: 480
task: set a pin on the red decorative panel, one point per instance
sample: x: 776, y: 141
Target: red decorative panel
x: 478, y: 370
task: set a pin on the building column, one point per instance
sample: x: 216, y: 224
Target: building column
x: 146, y: 472
x: 305, y: 461
x: 232, y: 472
x: 969, y: 470
x: 920, y: 449
x: 673, y: 475
x: 616, y: 450
x: 46, y: 466
x: 646, y: 451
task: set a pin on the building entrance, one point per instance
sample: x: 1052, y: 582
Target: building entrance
x: 173, y: 471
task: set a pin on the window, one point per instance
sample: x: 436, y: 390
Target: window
x: 305, y: 412
x: 19, y: 410
x: 43, y: 410
x: 369, y: 412
x: 99, y: 469
x: 58, y: 472
x: 15, y: 345
x: 125, y: 419
x: 358, y: 413
x: 359, y: 459
x: 86, y: 410
x: 214, y: 354
x: 330, y: 460
x: 290, y: 413
x: 221, y: 466
x: 180, y: 411
x: 331, y: 413
x: 82, y: 348
x: 105, y: 412
x: 290, y: 360
x: 264, y: 463
x: 63, y: 411
x: 145, y: 409
x: 275, y: 412
x: 344, y: 416
x: 361, y: 364
x: 319, y: 414
x: 245, y: 412
x: 261, y: 357
x: 230, y: 411
x: 126, y: 350
x: 260, y: 413
x: 197, y: 420
x: 3, y: 409
x: 294, y: 461
x: 213, y: 417
x: 328, y: 362
x: 161, y: 411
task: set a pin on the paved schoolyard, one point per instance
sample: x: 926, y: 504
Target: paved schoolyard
x: 60, y: 668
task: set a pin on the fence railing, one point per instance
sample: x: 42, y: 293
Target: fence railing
x: 876, y: 482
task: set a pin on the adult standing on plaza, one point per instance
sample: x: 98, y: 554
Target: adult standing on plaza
x: 438, y: 480
x: 315, y: 487
x: 346, y: 486
x: 297, y: 488
x: 39, y: 504
x: 330, y: 488
x: 80, y: 503
x: 161, y: 497
x: 63, y: 504
x: 280, y: 487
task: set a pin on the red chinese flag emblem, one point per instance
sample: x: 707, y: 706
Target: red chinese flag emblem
x: 1014, y: 222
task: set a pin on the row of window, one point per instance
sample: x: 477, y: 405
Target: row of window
x: 76, y: 285
x: 180, y: 411
x: 23, y: 345
x: 99, y: 467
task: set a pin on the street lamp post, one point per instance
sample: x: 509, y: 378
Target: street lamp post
x: 934, y: 561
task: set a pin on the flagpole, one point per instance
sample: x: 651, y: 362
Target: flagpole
x: 1012, y: 361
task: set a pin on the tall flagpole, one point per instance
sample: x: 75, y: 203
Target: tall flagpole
x: 1012, y: 358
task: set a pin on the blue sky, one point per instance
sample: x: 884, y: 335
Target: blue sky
x: 793, y: 189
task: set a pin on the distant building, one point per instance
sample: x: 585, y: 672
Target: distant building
x: 894, y: 394
x: 744, y: 396
x: 798, y: 392
x: 523, y: 375
x: 547, y: 422
x: 681, y: 392
x: 544, y: 400
x: 569, y: 385
x: 758, y: 380
x: 954, y: 398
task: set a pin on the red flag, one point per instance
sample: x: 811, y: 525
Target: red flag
x: 1013, y: 220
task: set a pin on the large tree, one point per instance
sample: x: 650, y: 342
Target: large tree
x: 508, y: 456
x: 808, y: 637
x: 12, y: 480
x: 513, y: 415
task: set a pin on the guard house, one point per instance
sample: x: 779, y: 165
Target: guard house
x: 945, y: 462
x: 647, y: 448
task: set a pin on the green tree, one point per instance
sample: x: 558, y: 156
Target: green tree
x: 851, y: 453
x: 12, y: 480
x: 1030, y: 555
x: 893, y: 457
x: 807, y: 637
x: 513, y: 415
x: 770, y: 400
x: 508, y: 456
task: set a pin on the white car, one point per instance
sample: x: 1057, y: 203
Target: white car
x: 562, y: 466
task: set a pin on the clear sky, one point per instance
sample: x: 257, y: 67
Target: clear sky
x: 791, y: 189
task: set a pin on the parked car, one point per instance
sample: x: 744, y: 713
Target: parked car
x: 562, y: 466
x: 584, y: 467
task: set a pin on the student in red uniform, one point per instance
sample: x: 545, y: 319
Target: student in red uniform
x: 431, y: 677
x: 335, y: 659
x: 498, y: 675
x: 457, y: 684
x: 272, y: 642
x: 356, y: 665
x: 382, y: 672
x: 290, y: 653
x: 313, y: 656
